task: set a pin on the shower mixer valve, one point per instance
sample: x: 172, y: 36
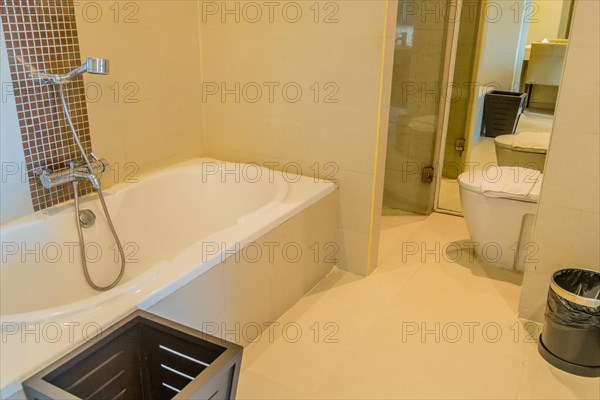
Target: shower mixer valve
x: 79, y: 171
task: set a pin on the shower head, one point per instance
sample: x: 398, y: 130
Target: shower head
x: 97, y: 66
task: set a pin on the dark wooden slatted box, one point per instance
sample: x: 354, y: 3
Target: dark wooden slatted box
x: 143, y: 356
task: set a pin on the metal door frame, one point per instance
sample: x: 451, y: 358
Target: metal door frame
x: 452, y: 30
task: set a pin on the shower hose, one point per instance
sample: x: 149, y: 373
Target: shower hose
x: 84, y: 265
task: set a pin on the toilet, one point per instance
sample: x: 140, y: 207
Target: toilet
x: 499, y: 206
x: 526, y: 149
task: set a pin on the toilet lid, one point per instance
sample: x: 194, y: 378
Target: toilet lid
x: 472, y: 180
x: 537, y: 142
x: 529, y: 142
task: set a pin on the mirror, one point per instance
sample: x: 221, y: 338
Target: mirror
x: 516, y: 47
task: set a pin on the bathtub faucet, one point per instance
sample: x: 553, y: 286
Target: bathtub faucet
x: 75, y: 172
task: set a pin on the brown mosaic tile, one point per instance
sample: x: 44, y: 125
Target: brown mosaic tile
x: 42, y: 35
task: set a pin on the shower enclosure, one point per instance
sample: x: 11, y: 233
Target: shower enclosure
x: 416, y: 109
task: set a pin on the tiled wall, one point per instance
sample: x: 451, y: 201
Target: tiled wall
x: 342, y: 140
x: 42, y: 35
x: 566, y: 230
x: 167, y: 51
x: 147, y: 113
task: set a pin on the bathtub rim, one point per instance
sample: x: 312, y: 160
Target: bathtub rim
x: 29, y: 221
x: 116, y: 307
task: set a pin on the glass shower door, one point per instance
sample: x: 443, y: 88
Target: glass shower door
x: 415, y: 104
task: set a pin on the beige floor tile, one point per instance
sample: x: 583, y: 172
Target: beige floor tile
x: 388, y: 368
x: 440, y: 326
x: 252, y: 386
x: 543, y: 381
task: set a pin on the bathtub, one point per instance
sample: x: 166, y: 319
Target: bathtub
x: 175, y: 224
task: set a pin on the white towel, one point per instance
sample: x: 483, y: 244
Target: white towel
x: 538, y: 141
x: 509, y: 182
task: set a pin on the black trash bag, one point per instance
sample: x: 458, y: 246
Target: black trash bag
x: 578, y: 282
x: 564, y: 312
x: 571, y: 336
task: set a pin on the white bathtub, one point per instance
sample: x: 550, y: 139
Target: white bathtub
x: 175, y: 224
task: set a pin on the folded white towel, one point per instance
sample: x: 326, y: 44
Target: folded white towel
x: 532, y: 140
x: 509, y: 182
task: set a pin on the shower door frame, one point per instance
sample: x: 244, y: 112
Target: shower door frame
x: 450, y: 46
x: 443, y: 109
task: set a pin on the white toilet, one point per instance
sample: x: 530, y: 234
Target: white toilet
x: 526, y: 149
x: 500, y: 220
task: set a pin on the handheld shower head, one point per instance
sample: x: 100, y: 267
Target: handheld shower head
x: 97, y: 66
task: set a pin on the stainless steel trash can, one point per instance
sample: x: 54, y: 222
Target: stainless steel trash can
x: 570, y: 339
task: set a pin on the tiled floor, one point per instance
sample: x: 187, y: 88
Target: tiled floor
x: 428, y: 323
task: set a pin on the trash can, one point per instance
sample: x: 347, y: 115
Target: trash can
x: 143, y: 356
x: 570, y: 339
x: 501, y: 112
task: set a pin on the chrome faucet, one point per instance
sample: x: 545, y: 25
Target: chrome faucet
x: 75, y: 172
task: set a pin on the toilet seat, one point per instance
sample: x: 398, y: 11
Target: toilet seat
x: 473, y: 179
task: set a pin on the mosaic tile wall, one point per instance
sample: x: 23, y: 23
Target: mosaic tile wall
x: 42, y: 35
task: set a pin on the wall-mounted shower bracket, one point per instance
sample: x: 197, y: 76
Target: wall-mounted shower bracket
x: 98, y: 66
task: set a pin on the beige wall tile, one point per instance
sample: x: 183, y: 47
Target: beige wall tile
x: 156, y: 118
x: 587, y: 30
x: 344, y: 59
x: 377, y: 209
x: 567, y: 180
x: 579, y: 91
x: 355, y: 251
x: 204, y: 295
x: 355, y: 201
